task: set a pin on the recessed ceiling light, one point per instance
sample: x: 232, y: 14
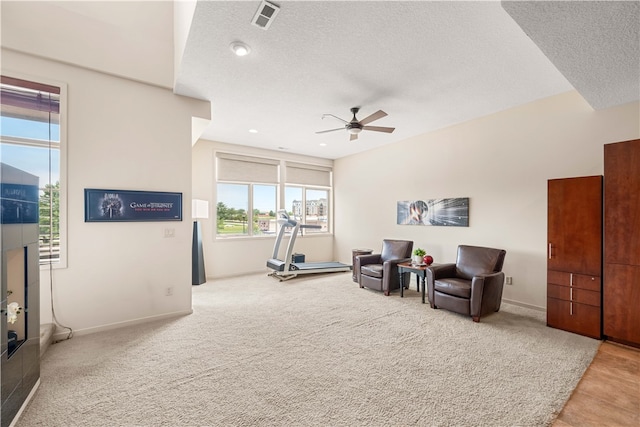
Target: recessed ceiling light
x: 253, y: 131
x: 240, y: 49
x: 323, y: 144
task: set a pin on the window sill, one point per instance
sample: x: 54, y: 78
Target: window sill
x: 304, y: 236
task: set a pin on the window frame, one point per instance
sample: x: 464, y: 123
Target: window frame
x: 61, y: 261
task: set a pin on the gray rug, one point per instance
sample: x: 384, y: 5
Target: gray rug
x: 313, y: 351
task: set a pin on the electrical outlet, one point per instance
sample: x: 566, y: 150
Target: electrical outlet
x: 169, y: 232
x: 509, y: 280
x: 169, y: 291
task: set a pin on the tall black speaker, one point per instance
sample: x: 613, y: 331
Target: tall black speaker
x: 197, y: 257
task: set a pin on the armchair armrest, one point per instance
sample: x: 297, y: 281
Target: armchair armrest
x: 439, y: 271
x: 390, y: 273
x: 369, y: 259
x: 364, y: 260
x: 435, y: 272
x: 391, y: 265
x: 486, y: 290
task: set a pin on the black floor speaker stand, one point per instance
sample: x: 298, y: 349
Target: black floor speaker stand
x: 197, y: 258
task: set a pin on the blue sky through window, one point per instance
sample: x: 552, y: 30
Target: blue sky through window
x: 31, y: 159
x: 236, y: 196
x: 31, y: 129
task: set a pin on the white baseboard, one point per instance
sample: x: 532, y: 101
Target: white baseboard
x: 525, y: 305
x: 244, y: 273
x: 46, y: 336
x: 25, y: 403
x: 62, y: 334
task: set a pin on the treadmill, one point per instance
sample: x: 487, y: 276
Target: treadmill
x: 285, y: 270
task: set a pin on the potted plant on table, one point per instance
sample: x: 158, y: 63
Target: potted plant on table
x: 418, y: 256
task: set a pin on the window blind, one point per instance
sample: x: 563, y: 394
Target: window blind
x: 300, y: 173
x: 235, y: 167
x: 29, y: 100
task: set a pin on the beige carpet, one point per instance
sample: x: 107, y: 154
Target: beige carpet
x: 313, y: 351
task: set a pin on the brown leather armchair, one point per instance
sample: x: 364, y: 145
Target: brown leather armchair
x: 471, y: 286
x: 380, y: 271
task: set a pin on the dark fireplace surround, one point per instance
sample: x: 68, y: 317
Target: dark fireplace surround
x: 20, y: 334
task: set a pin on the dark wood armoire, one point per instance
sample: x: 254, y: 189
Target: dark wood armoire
x: 621, y: 288
x: 574, y: 255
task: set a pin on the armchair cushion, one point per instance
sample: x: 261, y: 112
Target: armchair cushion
x: 454, y: 286
x: 373, y: 270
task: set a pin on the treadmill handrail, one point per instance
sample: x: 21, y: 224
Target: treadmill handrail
x: 310, y: 226
x: 285, y: 220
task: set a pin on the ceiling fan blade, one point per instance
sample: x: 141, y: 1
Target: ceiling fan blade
x: 335, y: 117
x: 330, y: 130
x: 353, y: 137
x: 379, y: 129
x: 375, y: 116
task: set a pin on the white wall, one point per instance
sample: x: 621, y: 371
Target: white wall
x: 121, y: 135
x: 183, y: 11
x: 237, y: 256
x: 132, y: 39
x: 501, y: 162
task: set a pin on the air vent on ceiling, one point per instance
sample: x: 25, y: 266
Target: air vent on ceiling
x: 265, y: 15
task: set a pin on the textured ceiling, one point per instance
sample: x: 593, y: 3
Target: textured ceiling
x: 596, y: 49
x: 427, y: 64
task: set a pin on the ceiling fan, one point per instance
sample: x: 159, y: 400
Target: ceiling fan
x: 355, y: 126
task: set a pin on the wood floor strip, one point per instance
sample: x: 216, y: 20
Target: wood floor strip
x: 608, y: 393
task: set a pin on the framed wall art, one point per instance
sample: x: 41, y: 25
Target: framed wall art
x: 452, y: 212
x: 126, y: 205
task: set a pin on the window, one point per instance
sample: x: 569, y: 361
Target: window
x: 307, y: 195
x: 246, y: 208
x: 317, y: 210
x: 309, y: 206
x: 32, y: 140
x: 248, y: 190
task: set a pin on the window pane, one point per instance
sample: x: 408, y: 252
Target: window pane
x: 231, y: 210
x: 317, y: 210
x: 264, y: 210
x: 293, y: 202
x: 34, y: 160
x: 32, y: 129
x: 50, y: 222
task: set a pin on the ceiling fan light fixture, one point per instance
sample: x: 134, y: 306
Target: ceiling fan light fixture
x: 240, y: 49
x: 355, y: 126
